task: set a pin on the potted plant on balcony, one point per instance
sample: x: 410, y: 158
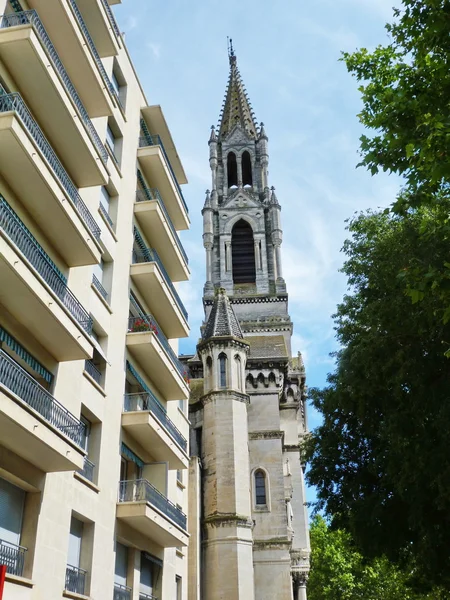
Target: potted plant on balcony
x: 139, y: 325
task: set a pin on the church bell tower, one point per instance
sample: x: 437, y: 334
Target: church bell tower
x: 247, y: 428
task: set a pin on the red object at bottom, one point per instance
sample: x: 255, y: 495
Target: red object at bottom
x: 2, y: 579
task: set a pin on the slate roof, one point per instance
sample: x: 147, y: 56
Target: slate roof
x: 222, y: 320
x: 267, y: 346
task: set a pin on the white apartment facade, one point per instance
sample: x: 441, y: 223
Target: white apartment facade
x: 93, y: 400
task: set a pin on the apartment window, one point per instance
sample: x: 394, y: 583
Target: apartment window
x: 75, y: 576
x: 114, y: 140
x: 180, y: 476
x: 12, y: 502
x: 121, y: 565
x: 110, y: 139
x: 179, y: 587
x: 119, y: 84
x: 151, y: 568
x: 102, y: 277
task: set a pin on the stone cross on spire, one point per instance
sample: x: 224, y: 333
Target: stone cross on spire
x: 236, y: 107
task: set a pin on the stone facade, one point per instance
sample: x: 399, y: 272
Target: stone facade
x: 246, y: 428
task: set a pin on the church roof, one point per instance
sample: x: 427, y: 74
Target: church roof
x: 267, y: 346
x: 222, y: 320
x: 236, y: 108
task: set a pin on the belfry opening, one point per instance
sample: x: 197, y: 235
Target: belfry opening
x: 243, y: 253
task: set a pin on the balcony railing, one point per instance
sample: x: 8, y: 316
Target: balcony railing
x: 98, y: 286
x: 106, y: 215
x: 111, y: 18
x: 31, y: 17
x: 14, y: 102
x: 149, y: 323
x: 147, y: 194
x: 13, y: 557
x: 88, y: 470
x: 155, y: 140
x: 141, y: 490
x: 143, y: 596
x: 92, y: 370
x: 13, y: 227
x: 93, y: 49
x: 122, y: 592
x: 143, y: 255
x: 146, y: 401
x: 75, y: 580
x: 20, y: 383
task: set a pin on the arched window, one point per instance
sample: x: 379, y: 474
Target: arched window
x: 260, y: 488
x: 237, y: 360
x: 247, y: 178
x: 243, y: 253
x: 209, y: 373
x: 232, y: 169
x: 222, y: 370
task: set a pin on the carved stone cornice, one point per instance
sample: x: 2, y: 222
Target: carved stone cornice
x: 272, y: 544
x: 266, y: 435
x: 291, y: 447
x: 239, y: 396
x: 249, y: 300
x: 227, y: 519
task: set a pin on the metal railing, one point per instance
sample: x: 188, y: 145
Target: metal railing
x: 111, y: 18
x: 92, y: 370
x: 75, y: 580
x: 20, y: 383
x: 98, y: 286
x: 141, y: 490
x: 153, y: 194
x: 122, y: 592
x: 155, y: 140
x: 13, y: 557
x: 142, y: 255
x: 149, y: 323
x: 143, y: 596
x: 93, y: 49
x: 88, y: 470
x: 146, y: 401
x: 13, y: 227
x: 106, y: 215
x: 14, y: 102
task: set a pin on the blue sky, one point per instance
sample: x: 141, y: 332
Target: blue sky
x: 288, y: 55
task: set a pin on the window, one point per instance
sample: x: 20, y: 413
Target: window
x: 121, y: 566
x: 12, y: 501
x: 232, y: 169
x: 110, y: 139
x: 179, y: 584
x: 209, y: 382
x: 247, y: 178
x: 75, y: 577
x: 223, y: 370
x: 151, y: 567
x: 181, y: 405
x: 243, y: 253
x: 260, y: 488
x: 119, y: 84
x: 238, y: 365
x: 179, y: 476
x: 105, y: 198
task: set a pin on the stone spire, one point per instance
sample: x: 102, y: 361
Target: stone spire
x: 222, y: 321
x: 236, y: 106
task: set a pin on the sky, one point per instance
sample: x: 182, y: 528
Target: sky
x: 288, y: 55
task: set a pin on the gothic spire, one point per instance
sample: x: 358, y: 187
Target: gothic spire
x: 222, y: 321
x: 236, y: 107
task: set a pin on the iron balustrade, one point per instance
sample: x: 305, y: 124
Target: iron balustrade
x: 147, y: 194
x: 141, y: 490
x: 143, y: 255
x: 14, y: 102
x: 75, y: 580
x: 149, y: 323
x: 88, y: 470
x: 95, y: 54
x: 106, y: 215
x: 111, y: 18
x: 98, y: 286
x: 16, y: 231
x: 122, y: 592
x: 32, y: 18
x: 145, y: 401
x: 13, y: 556
x: 155, y: 140
x: 92, y: 370
x: 23, y: 385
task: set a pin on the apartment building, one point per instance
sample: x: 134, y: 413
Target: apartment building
x: 93, y: 400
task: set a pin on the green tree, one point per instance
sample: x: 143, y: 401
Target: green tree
x: 405, y: 88
x: 381, y: 459
x: 339, y: 572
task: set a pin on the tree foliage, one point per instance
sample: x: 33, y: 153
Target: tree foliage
x: 339, y: 572
x: 381, y: 459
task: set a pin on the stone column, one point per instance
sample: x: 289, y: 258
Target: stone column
x: 299, y: 580
x: 239, y: 170
x: 257, y: 256
x: 278, y: 261
x: 228, y: 256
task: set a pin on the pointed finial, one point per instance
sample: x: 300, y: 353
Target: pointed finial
x: 231, y: 54
x: 208, y: 199
x: 213, y: 137
x: 262, y: 132
x: 273, y: 197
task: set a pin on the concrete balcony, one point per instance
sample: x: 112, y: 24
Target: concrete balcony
x: 36, y: 293
x: 153, y: 282
x: 158, y: 172
x: 28, y: 52
x: 34, y: 425
x: 155, y: 222
x: 33, y: 171
x: 147, y: 422
x: 147, y: 343
x: 102, y: 26
x: 70, y: 36
x: 144, y: 508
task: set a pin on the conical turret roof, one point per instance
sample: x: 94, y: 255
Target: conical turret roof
x: 236, y: 108
x: 222, y: 320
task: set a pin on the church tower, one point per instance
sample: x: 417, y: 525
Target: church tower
x: 249, y: 530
